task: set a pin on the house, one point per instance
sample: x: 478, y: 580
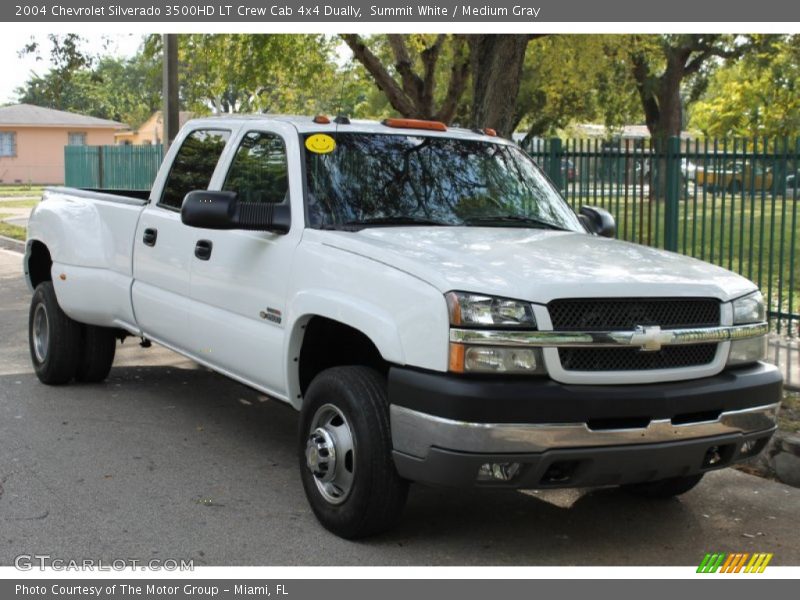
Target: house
x: 32, y: 140
x: 151, y: 132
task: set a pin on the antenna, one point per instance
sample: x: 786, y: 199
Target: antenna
x: 341, y: 119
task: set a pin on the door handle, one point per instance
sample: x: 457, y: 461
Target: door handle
x: 150, y: 236
x: 202, y: 249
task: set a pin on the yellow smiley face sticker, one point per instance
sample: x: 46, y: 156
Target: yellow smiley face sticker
x: 319, y: 143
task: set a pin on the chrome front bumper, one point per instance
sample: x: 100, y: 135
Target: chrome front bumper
x: 415, y: 433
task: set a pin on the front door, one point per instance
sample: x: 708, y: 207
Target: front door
x: 240, y: 278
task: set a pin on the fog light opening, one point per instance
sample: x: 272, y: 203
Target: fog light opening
x: 498, y: 471
x: 713, y: 457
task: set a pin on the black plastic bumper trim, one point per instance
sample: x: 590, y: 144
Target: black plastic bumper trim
x: 530, y: 400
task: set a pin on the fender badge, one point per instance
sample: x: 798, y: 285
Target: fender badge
x: 271, y: 314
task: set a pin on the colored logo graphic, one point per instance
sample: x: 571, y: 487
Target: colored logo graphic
x: 737, y: 562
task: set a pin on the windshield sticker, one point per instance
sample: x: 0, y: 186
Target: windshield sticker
x: 320, y: 143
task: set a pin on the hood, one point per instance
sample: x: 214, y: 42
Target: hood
x: 536, y: 265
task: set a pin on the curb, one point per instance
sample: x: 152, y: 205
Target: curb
x: 8, y: 243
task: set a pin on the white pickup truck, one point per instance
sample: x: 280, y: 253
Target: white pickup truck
x: 426, y: 300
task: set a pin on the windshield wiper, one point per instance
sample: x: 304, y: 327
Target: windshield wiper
x: 356, y: 224
x: 513, y: 220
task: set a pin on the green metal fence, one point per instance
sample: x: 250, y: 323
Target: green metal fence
x: 733, y: 203
x: 112, y: 167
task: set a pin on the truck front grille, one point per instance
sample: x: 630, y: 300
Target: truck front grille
x: 621, y: 314
x: 633, y: 359
x: 625, y: 314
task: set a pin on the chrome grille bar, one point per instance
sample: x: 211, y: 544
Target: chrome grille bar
x: 646, y: 338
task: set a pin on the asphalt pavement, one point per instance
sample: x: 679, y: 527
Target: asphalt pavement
x: 169, y: 460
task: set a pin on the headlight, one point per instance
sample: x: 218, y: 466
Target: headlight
x: 749, y: 309
x: 477, y: 311
x: 472, y: 310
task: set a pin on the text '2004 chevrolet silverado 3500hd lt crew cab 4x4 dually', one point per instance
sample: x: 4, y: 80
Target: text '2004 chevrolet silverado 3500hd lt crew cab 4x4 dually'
x: 427, y: 301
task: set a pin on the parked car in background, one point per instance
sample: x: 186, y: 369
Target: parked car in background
x: 567, y: 170
x: 735, y: 176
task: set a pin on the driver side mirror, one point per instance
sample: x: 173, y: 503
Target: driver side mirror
x: 222, y: 210
x: 598, y: 221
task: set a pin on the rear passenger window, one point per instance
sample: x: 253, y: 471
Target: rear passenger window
x: 193, y: 165
x: 259, y: 171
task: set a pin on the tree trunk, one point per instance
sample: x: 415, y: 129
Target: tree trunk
x: 497, y: 62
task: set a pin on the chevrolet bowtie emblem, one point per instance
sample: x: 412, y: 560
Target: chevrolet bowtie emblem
x: 650, y: 337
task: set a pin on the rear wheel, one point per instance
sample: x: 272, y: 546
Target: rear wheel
x: 665, y: 488
x: 54, y: 338
x: 99, y: 344
x: 345, y: 456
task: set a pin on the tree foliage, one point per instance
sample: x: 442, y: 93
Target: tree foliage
x: 576, y: 78
x: 756, y: 96
x: 126, y: 90
x: 256, y: 73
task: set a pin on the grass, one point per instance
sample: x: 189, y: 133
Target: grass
x: 12, y: 231
x: 21, y: 190
x: 754, y: 236
x: 19, y: 203
x: 789, y: 416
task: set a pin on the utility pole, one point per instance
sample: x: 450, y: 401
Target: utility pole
x: 170, y: 112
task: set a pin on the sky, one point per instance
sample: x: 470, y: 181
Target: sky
x: 16, y: 70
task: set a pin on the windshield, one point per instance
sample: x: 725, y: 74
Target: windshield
x: 384, y: 179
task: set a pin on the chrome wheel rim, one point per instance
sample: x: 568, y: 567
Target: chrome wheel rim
x: 330, y: 454
x: 41, y: 333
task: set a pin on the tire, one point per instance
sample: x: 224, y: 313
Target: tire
x: 734, y: 187
x: 99, y: 345
x: 666, y: 488
x: 358, y: 492
x: 53, y: 338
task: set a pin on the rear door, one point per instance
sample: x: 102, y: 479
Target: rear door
x: 240, y: 280
x: 164, y: 246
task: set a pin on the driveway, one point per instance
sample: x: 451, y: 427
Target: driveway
x: 168, y: 460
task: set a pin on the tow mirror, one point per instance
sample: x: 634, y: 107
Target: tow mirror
x: 221, y: 210
x: 598, y: 221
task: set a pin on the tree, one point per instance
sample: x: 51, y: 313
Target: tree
x: 497, y: 63
x: 573, y: 78
x: 410, y: 75
x: 661, y: 66
x: 126, y: 90
x: 758, y: 96
x: 411, y: 84
x: 67, y: 58
x: 255, y: 73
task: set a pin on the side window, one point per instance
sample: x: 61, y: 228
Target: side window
x: 193, y: 165
x: 259, y: 172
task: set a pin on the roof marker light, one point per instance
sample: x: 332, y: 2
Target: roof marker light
x: 322, y: 120
x: 415, y: 124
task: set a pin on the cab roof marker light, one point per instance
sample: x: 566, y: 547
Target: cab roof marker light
x: 489, y: 131
x: 322, y: 120
x: 414, y: 124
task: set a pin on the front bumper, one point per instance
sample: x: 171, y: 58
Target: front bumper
x: 444, y: 428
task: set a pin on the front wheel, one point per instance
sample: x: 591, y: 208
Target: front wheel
x: 345, y: 453
x: 54, y: 338
x: 665, y: 488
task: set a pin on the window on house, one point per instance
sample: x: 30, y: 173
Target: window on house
x: 259, y: 172
x: 8, y: 143
x: 76, y: 138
